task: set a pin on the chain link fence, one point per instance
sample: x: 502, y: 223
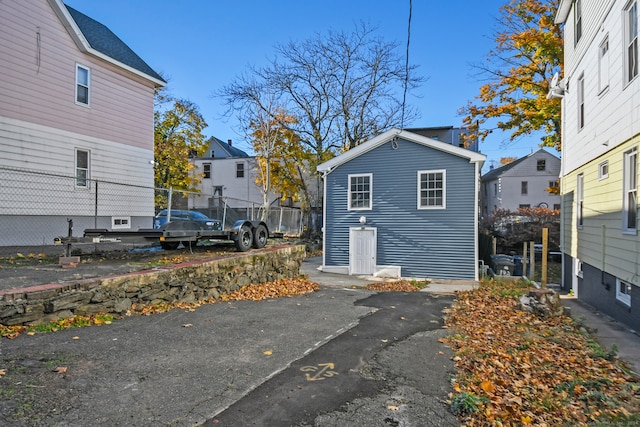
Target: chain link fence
x: 36, y: 209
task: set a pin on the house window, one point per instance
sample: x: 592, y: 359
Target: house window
x: 360, y: 188
x: 524, y: 206
x: 623, y: 292
x: 206, y: 170
x: 556, y: 206
x: 120, y: 222
x: 631, y: 40
x: 578, y: 21
x: 83, y: 79
x: 541, y: 165
x: 630, y: 181
x: 579, y: 200
x: 239, y: 170
x: 432, y: 189
x: 554, y: 184
x: 524, y: 187
x: 82, y: 168
x: 581, y: 101
x: 603, y: 170
x: 603, y: 65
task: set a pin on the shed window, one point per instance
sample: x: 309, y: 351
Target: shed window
x: 360, y: 187
x: 432, y: 189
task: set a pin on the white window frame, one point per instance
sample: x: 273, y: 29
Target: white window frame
x: 120, y: 222
x: 577, y: 22
x: 603, y: 65
x: 603, y: 170
x: 351, y: 191
x: 82, y: 181
x: 240, y: 169
x: 524, y: 188
x: 580, y: 200
x: 631, y: 40
x: 86, y: 85
x: 623, y: 292
x: 206, y: 174
x: 630, y: 192
x: 443, y: 178
x: 581, y: 102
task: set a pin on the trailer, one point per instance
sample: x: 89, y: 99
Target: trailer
x: 245, y: 234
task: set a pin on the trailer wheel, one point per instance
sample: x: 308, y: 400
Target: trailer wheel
x: 169, y: 246
x: 245, y: 239
x: 260, y: 236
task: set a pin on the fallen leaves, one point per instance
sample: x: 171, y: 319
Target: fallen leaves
x: 277, y: 289
x: 518, y: 369
x: 398, y: 286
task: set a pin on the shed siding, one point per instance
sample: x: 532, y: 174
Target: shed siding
x: 435, y: 243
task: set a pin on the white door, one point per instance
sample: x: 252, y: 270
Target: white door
x: 362, y: 250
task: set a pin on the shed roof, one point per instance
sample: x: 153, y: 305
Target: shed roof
x: 398, y: 134
x: 96, y: 39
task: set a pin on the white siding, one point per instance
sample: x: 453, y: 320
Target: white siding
x: 39, y: 59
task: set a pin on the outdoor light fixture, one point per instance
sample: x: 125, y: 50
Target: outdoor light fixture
x: 363, y: 220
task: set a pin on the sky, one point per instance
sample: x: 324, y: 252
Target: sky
x: 201, y: 46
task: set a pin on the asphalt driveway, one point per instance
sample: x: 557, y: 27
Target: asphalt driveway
x: 339, y: 356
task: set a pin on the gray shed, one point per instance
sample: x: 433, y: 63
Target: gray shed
x: 402, y: 205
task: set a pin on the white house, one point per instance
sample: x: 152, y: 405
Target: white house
x: 76, y: 107
x: 599, y: 172
x: 522, y: 183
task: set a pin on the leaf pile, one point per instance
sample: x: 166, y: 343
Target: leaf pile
x: 515, y: 368
x: 277, y: 289
x: 398, y: 286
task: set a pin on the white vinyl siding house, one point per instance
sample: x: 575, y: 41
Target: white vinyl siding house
x: 58, y: 116
x: 599, y: 177
x: 522, y: 183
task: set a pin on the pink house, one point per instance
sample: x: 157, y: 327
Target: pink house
x: 76, y: 122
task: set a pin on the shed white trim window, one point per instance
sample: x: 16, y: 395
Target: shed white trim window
x: 360, y: 191
x: 83, y: 84
x: 432, y: 189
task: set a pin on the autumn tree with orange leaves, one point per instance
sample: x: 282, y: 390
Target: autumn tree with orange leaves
x: 528, y: 52
x: 276, y: 145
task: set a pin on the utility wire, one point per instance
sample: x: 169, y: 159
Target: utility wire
x: 406, y: 65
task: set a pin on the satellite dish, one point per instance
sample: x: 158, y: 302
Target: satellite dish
x: 554, y: 80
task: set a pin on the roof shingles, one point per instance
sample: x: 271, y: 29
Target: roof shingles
x: 103, y: 40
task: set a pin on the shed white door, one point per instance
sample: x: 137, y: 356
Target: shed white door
x: 362, y: 250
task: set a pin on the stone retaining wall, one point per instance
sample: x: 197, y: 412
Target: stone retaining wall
x: 186, y: 282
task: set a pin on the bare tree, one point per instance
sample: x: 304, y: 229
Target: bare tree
x: 341, y: 89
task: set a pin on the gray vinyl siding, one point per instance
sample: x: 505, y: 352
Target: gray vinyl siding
x: 434, y: 243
